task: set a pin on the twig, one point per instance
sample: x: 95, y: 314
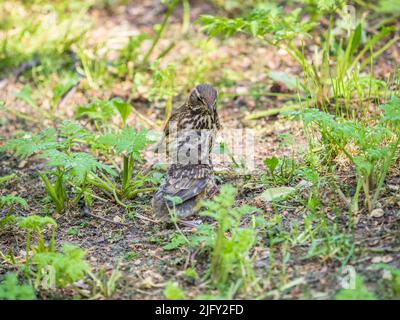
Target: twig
x: 188, y: 223
x: 85, y: 212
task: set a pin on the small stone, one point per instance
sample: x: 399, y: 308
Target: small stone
x: 387, y: 259
x: 382, y: 259
x: 387, y: 275
x: 117, y: 219
x: 22, y: 164
x: 377, y: 213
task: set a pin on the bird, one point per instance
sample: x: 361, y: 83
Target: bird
x: 189, y: 135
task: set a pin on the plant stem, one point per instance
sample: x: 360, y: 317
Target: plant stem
x: 385, y: 169
x: 186, y: 16
x: 159, y: 33
x: 137, y: 191
x: 216, y: 257
x: 27, y: 249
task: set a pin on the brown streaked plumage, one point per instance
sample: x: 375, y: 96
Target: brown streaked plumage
x: 189, y: 136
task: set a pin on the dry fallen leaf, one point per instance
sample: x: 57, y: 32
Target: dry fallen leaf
x: 382, y: 259
x: 377, y: 213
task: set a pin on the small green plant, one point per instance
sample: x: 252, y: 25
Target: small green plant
x: 35, y: 225
x: 94, y: 67
x: 394, y: 279
x: 57, y: 269
x: 105, y: 284
x: 128, y: 58
x: 99, y: 112
x: 360, y: 292
x: 11, y: 201
x: 282, y: 170
x: 163, y: 86
x: 191, y: 274
x: 371, y: 149
x: 131, y: 255
x: 50, y: 268
x: 128, y: 143
x: 81, y: 170
x: 172, y: 291
x: 10, y: 289
x: 231, y: 264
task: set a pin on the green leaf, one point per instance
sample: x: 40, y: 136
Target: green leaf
x: 278, y: 193
x: 271, y: 163
x: 99, y: 110
x: 29, y: 143
x: 356, y: 39
x: 254, y: 28
x: 287, y: 79
x: 360, y: 292
x: 391, y: 111
x: 36, y: 223
x: 78, y: 164
x: 172, y: 291
x: 123, y: 108
x: 10, y: 289
x: 128, y: 140
x: 176, y: 241
x: 10, y: 200
x: 68, y: 266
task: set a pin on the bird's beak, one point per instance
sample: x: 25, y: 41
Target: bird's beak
x: 212, y: 109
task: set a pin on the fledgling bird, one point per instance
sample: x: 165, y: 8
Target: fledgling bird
x: 189, y: 135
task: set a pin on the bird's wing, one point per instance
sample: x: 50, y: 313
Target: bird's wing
x: 186, y: 182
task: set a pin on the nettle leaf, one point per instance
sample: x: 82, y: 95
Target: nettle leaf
x: 78, y: 164
x: 72, y: 130
x: 10, y: 200
x: 68, y: 266
x: 222, y: 205
x: 221, y: 25
x: 36, y: 223
x: 391, y: 111
x: 173, y: 200
x: 375, y: 154
x: 363, y: 166
x: 30, y: 144
x: 127, y: 141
